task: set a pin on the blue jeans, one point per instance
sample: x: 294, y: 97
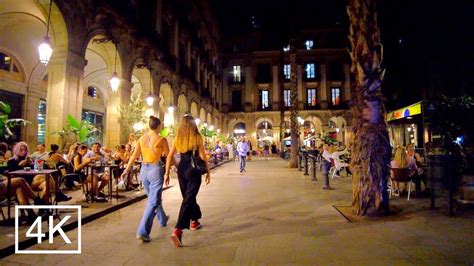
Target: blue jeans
x: 152, y: 176
x: 242, y: 162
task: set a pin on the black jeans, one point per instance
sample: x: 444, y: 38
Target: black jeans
x: 189, y: 184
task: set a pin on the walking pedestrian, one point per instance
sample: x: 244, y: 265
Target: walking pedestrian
x: 243, y: 149
x: 151, y: 146
x: 188, y: 143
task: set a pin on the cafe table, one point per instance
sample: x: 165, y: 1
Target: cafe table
x: 29, y: 173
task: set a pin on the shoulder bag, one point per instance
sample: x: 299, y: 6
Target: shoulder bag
x: 198, y: 165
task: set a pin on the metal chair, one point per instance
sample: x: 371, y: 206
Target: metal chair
x: 400, y: 175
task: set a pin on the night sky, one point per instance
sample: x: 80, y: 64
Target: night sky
x: 428, y: 45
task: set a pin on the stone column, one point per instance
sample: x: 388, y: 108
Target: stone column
x: 275, y: 90
x: 31, y: 131
x: 323, y: 88
x: 347, y: 83
x: 64, y: 96
x: 225, y: 92
x: 113, y: 134
x: 301, y: 99
x: 249, y: 92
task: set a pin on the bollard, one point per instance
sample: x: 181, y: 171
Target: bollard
x: 299, y: 162
x: 312, y: 161
x: 325, y: 165
x: 305, y: 161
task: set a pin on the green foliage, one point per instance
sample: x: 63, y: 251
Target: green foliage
x: 326, y: 139
x: 131, y: 114
x: 7, y: 124
x: 454, y: 117
x: 205, y: 132
x: 81, y: 130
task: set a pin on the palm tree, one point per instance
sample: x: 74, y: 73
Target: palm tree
x: 371, y: 147
x: 294, y: 107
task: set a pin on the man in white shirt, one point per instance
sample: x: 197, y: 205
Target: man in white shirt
x: 243, y: 148
x: 100, y: 173
x: 40, y: 153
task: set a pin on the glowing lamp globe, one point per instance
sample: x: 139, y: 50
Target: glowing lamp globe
x: 114, y: 82
x: 45, y: 51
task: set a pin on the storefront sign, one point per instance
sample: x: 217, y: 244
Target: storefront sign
x: 414, y: 109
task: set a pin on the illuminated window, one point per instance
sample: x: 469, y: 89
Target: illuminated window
x: 5, y: 62
x: 41, y: 119
x: 287, y: 71
x: 311, y: 96
x: 95, y: 119
x: 287, y: 98
x: 92, y: 92
x: 310, y: 71
x: 309, y: 44
x: 236, y: 73
x: 264, y: 99
x: 336, y: 96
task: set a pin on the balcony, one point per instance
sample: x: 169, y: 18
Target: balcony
x: 231, y: 81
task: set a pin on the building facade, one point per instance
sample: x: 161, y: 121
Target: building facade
x: 167, y: 48
x: 253, y: 99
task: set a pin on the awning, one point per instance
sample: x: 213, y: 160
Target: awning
x: 414, y: 109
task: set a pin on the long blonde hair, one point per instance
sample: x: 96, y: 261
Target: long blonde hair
x: 401, y: 158
x: 188, y: 137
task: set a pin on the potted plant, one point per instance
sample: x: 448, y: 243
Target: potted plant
x: 77, y: 131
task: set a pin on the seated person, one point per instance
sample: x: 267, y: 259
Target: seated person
x: 402, y: 161
x: 21, y: 160
x: 419, y: 169
x: 3, y: 156
x: 55, y: 157
x: 104, y: 176
x: 338, y: 163
x: 23, y: 193
x: 40, y: 153
x: 80, y: 162
x: 72, y: 150
x: 121, y: 157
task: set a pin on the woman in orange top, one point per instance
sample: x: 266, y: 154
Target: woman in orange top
x: 188, y: 142
x: 151, y: 145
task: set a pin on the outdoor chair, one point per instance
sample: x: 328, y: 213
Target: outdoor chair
x: 336, y: 169
x: 400, y: 175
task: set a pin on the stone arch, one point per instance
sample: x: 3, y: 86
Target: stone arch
x: 202, y: 115
x: 315, y: 122
x: 209, y: 118
x: 22, y: 29
x: 182, y: 104
x: 194, y: 109
x: 260, y: 119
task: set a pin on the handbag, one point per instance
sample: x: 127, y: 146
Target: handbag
x: 198, y: 165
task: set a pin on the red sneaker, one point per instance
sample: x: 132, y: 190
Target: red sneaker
x: 176, y: 237
x: 195, y: 225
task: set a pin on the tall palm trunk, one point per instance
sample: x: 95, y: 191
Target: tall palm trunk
x: 294, y: 107
x: 371, y: 146
x: 281, y: 88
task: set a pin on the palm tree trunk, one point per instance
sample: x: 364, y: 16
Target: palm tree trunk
x: 371, y: 147
x: 294, y: 108
x: 281, y: 87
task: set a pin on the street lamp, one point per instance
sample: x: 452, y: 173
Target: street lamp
x: 44, y: 49
x: 205, y: 124
x: 171, y: 109
x: 218, y: 130
x: 211, y: 127
x: 150, y: 99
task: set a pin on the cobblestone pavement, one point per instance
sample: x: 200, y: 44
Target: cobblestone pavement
x: 272, y: 215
